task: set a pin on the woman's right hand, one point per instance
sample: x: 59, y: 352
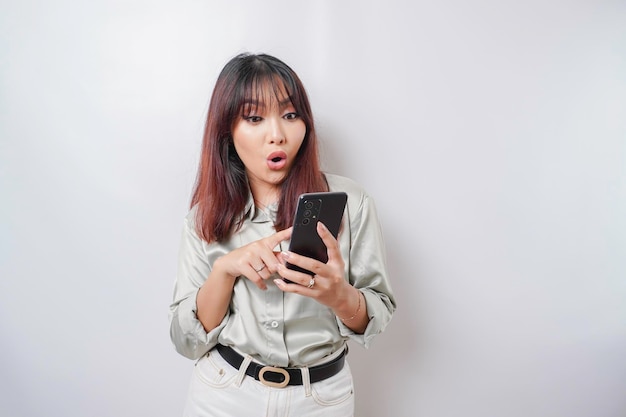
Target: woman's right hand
x: 256, y: 261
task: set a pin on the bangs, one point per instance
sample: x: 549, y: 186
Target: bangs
x: 265, y: 90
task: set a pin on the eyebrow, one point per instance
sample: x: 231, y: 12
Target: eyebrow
x: 257, y: 103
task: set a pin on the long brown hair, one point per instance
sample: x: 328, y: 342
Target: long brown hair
x: 221, y: 189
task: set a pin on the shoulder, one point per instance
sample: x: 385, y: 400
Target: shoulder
x: 189, y: 225
x: 190, y: 217
x: 361, y: 208
x: 357, y: 195
x: 348, y: 185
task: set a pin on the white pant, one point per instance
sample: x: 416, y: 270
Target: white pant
x: 219, y: 390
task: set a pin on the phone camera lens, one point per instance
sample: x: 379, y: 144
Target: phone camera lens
x: 305, y: 221
x: 308, y: 205
x: 307, y: 213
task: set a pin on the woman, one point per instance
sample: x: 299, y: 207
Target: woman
x: 267, y: 346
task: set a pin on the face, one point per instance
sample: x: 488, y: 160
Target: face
x: 267, y: 138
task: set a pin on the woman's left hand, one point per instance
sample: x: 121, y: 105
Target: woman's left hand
x: 328, y: 285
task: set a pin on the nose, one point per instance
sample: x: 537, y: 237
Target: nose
x: 276, y: 133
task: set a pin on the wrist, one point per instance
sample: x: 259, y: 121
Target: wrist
x: 352, y: 307
x: 220, y: 270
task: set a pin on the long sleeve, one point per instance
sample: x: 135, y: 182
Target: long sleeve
x: 363, y: 249
x: 194, y: 266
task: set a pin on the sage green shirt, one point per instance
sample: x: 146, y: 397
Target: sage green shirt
x: 277, y: 328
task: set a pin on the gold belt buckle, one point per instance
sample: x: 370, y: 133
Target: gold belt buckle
x: 277, y: 371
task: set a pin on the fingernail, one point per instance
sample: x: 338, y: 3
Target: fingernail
x: 285, y: 254
x: 279, y: 282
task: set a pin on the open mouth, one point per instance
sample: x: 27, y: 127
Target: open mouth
x: 277, y: 160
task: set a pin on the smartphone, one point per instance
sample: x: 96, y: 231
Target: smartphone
x: 325, y: 207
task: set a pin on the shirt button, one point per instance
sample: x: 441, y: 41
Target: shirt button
x: 274, y: 324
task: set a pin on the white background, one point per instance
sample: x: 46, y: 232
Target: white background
x: 491, y: 134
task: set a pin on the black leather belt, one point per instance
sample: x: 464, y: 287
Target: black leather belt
x: 280, y: 377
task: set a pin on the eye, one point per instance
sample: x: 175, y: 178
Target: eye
x: 291, y: 116
x: 253, y: 119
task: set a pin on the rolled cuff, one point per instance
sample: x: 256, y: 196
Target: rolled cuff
x: 379, y: 316
x: 186, y: 331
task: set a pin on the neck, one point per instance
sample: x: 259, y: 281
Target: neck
x: 264, y: 198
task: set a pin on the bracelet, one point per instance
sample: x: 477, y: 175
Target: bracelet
x: 358, y: 308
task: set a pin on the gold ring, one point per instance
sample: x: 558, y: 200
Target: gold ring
x: 311, y: 283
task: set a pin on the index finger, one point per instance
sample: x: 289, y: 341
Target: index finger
x: 332, y: 246
x: 278, y: 237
